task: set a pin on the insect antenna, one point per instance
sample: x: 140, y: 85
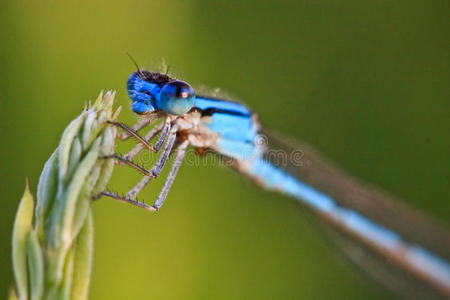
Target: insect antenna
x: 167, y: 69
x: 134, y: 61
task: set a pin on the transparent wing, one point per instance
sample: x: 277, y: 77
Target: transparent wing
x: 308, y: 165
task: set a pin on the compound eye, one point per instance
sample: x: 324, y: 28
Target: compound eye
x: 177, y: 97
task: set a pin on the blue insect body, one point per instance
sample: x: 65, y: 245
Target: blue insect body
x: 230, y: 129
x: 142, y: 93
x: 175, y: 97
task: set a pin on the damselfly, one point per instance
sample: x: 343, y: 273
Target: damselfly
x: 232, y: 131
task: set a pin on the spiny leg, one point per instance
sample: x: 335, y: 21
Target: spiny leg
x: 164, y: 133
x: 138, y: 148
x: 131, y: 164
x: 124, y: 199
x: 159, y: 165
x: 171, y: 177
x: 154, y: 172
x: 143, y: 141
x: 138, y: 126
x: 156, y: 169
x: 165, y: 190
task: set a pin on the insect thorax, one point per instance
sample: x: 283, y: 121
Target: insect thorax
x: 154, y: 77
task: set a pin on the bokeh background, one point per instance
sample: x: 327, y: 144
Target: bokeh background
x: 367, y: 82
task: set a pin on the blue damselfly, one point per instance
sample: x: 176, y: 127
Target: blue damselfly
x: 361, y: 213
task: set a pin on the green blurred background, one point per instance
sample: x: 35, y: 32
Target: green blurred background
x: 365, y: 82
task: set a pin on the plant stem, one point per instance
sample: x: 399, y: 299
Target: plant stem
x: 53, y: 258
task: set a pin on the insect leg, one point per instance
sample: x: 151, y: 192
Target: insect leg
x: 124, y: 199
x: 138, y: 148
x: 132, y: 164
x: 171, y: 177
x: 156, y: 169
x: 143, y: 141
x: 163, y: 136
x: 138, y: 126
